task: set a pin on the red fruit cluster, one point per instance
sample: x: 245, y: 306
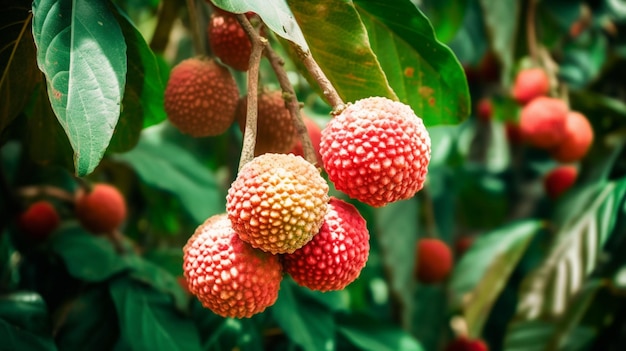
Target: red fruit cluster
x: 229, y: 41
x: 434, y: 261
x: 467, y: 344
x: 542, y: 122
x: 559, y: 180
x: 376, y: 151
x: 100, y: 210
x: 529, y: 84
x: 39, y: 220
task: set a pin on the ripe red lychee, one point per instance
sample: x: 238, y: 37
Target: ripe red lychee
x: 278, y: 202
x: 578, y: 138
x: 484, y: 109
x: 201, y: 97
x: 466, y: 344
x: 315, y: 134
x: 101, y: 210
x: 39, y: 220
x: 275, y: 130
x: 228, y: 276
x: 542, y: 122
x: 336, y: 255
x: 434, y: 261
x: 229, y: 41
x: 376, y: 151
x: 559, y: 180
x: 529, y: 84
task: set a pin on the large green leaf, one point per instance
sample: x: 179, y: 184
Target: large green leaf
x: 24, y: 323
x: 19, y: 75
x: 275, y: 14
x: 373, y: 335
x: 422, y: 71
x: 446, y: 16
x: 169, y: 167
x: 148, y: 319
x: 305, y: 322
x: 82, y: 52
x: 347, y: 59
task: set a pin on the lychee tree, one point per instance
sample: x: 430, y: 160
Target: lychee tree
x: 312, y: 175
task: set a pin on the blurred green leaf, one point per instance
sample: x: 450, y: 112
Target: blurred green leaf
x: 275, y: 14
x: 502, y: 20
x: 583, y: 59
x: 370, y: 334
x: 347, y: 60
x: 446, y: 16
x: 422, y: 71
x: 24, y: 323
x: 167, y: 166
x: 82, y: 52
x: 305, y: 321
x: 170, y: 259
x: 148, y: 319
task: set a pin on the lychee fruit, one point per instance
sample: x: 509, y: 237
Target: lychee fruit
x: 315, y: 134
x: 577, y: 141
x: 376, y: 151
x: 227, y: 275
x: 529, y: 84
x: 434, y: 261
x: 559, y: 180
x: 201, y: 97
x: 336, y: 255
x: 276, y: 132
x: 39, y: 220
x: 277, y: 202
x: 101, y: 210
x: 463, y: 243
x: 228, y: 40
x: 467, y: 344
x: 543, y: 122
x: 484, y: 110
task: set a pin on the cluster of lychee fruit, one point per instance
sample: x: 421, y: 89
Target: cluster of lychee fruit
x: 100, y: 209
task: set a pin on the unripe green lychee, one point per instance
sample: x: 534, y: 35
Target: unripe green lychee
x: 336, y: 255
x: 229, y: 41
x: 529, y: 84
x: 278, y: 202
x: 376, y: 151
x: 201, y: 97
x: 434, y: 261
x: 466, y: 344
x: 39, y: 220
x: 101, y: 210
x: 559, y: 180
x: 577, y: 140
x: 227, y: 275
x: 275, y: 130
x: 315, y: 134
x: 542, y: 122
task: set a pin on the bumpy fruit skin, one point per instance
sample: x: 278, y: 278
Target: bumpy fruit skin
x: 278, y: 202
x: 376, y: 151
x: 336, y: 255
x: 228, y: 276
x: 315, y: 134
x: 434, y: 261
x: 229, y: 41
x: 39, y: 220
x: 543, y: 122
x: 102, y: 210
x: 201, y: 97
x: 577, y: 141
x: 466, y: 344
x: 559, y: 180
x: 275, y: 130
x: 529, y: 84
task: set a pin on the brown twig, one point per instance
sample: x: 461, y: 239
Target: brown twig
x: 195, y: 28
x: 531, y: 33
x: 46, y: 190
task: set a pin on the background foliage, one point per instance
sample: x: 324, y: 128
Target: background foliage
x: 540, y: 275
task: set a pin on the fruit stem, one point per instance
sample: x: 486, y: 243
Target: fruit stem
x: 291, y: 102
x: 258, y: 46
x: 531, y: 34
x: 327, y: 87
x: 47, y: 190
x: 168, y: 12
x: 195, y: 27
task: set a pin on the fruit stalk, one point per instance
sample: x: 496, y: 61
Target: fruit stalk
x: 195, y: 28
x: 531, y: 34
x: 259, y: 44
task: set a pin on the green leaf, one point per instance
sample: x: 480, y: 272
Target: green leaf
x: 148, y: 319
x: 422, y: 71
x: 584, y: 59
x: 275, y: 14
x: 373, y: 335
x: 24, y: 323
x: 87, y: 257
x: 19, y: 75
x: 446, y: 16
x: 347, y: 60
x: 82, y: 52
x: 502, y: 33
x: 166, y: 166
x: 305, y: 322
